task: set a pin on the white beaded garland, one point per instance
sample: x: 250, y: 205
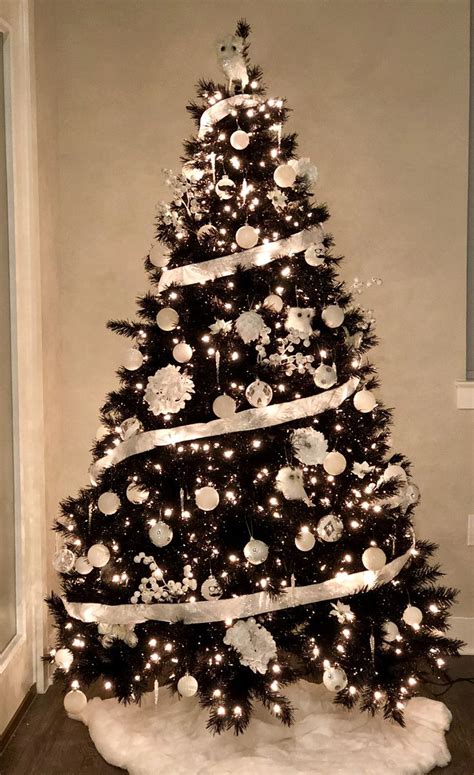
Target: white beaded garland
x: 132, y: 359
x: 239, y: 140
x: 246, y: 237
x: 64, y: 658
x: 335, y: 679
x: 98, y: 555
x: 75, y: 702
x: 374, y: 558
x: 224, y: 406
x: 167, y: 319
x: 108, y: 503
x: 160, y: 534
x: 284, y: 176
x: 364, y: 401
x: 187, y: 685
x: 182, y: 352
x: 333, y: 315
x: 207, y: 498
x: 83, y: 566
x: 137, y: 494
x: 334, y: 463
x: 305, y: 540
x: 273, y: 302
x: 256, y: 551
x: 412, y: 616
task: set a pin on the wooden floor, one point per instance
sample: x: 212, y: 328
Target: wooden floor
x: 48, y: 743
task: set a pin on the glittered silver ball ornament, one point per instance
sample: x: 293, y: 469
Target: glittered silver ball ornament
x: 132, y: 359
x: 256, y: 551
x: 83, y: 566
x: 284, y: 176
x: 334, y: 679
x: 273, y: 302
x: 333, y: 316
x: 108, y: 503
x: 98, y: 555
x: 225, y: 188
x: 182, y: 352
x: 259, y: 393
x: 63, y: 560
x: 207, y: 498
x: 224, y: 406
x: 211, y: 589
x: 75, y: 702
x: 137, y: 494
x: 130, y: 427
x: 334, y: 463
x: 305, y: 540
x: 187, y: 686
x: 239, y: 140
x: 374, y: 558
x: 412, y: 616
x: 160, y: 534
x: 325, y: 376
x: 364, y: 401
x: 330, y: 528
x: 246, y: 237
x: 64, y: 658
x: 167, y: 319
x: 159, y: 255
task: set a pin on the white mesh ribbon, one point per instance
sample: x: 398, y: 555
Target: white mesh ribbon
x: 237, y: 607
x: 223, y: 266
x: 222, y: 109
x: 247, y: 420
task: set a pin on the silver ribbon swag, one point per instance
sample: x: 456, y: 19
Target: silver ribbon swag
x: 223, y: 108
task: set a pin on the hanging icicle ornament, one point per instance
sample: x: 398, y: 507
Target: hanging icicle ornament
x: 289, y: 481
x: 225, y: 188
x: 330, y: 528
x: 334, y: 679
x: 325, y: 376
x: 305, y: 540
x: 167, y: 319
x: 108, y: 503
x: 299, y: 321
x: 98, y: 555
x: 309, y: 446
x: 246, y: 237
x: 334, y: 463
x: 284, y: 176
x: 187, y: 686
x: 168, y: 390
x: 182, y: 352
x: 255, y: 551
x: 160, y: 534
x: 211, y: 589
x: 132, y: 359
x: 137, y: 494
x: 333, y: 315
x: 63, y: 560
x: 239, y: 140
x: 374, y: 558
x: 130, y: 427
x: 253, y: 642
x: 259, y: 393
x: 207, y: 498
x: 224, y: 406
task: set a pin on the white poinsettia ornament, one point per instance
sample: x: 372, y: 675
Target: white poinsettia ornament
x: 221, y: 327
x: 342, y: 612
x: 250, y: 326
x: 168, y: 390
x: 362, y: 469
x: 253, y: 642
x: 278, y: 199
x: 309, y: 446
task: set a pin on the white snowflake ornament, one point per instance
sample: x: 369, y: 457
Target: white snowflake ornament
x: 168, y: 390
x: 253, y: 643
x: 309, y: 446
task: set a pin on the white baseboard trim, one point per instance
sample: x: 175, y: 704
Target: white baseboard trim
x: 462, y: 627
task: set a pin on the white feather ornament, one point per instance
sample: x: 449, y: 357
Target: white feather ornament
x: 253, y: 643
x: 250, y: 326
x: 299, y: 320
x: 168, y: 390
x: 289, y: 481
x: 309, y: 446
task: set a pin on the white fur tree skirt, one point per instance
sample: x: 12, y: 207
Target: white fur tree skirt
x: 325, y: 740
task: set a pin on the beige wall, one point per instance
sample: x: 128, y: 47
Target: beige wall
x: 380, y: 98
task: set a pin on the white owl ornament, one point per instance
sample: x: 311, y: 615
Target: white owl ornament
x: 231, y: 59
x: 299, y: 320
x: 289, y: 481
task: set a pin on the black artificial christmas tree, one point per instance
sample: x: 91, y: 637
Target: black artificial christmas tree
x: 247, y: 523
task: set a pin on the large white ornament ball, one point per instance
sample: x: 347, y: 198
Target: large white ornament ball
x: 160, y: 534
x: 130, y: 427
x: 98, y: 555
x: 256, y: 551
x: 374, y: 558
x: 284, y: 176
x: 330, y: 528
x: 259, y: 393
x: 412, y: 616
x: 225, y: 188
x: 167, y: 319
x: 64, y: 658
x: 108, y: 503
x: 63, y: 560
x: 133, y: 359
x: 333, y: 315
x: 187, y: 686
x: 325, y: 376
x: 207, y: 498
x: 364, y: 401
x: 273, y: 302
x: 211, y: 589
x: 305, y: 540
x: 334, y: 679
x: 75, y: 702
x: 224, y: 406
x: 239, y: 140
x: 246, y: 237
x: 334, y: 463
x: 182, y: 352
x: 159, y: 255
x: 83, y: 566
x: 390, y: 631
x: 394, y: 472
x: 137, y: 494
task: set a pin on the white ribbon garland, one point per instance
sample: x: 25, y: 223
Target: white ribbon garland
x: 247, y: 420
x: 222, y: 109
x: 226, y: 265
x: 237, y: 607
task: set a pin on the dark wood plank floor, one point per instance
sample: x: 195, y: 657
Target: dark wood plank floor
x: 48, y: 743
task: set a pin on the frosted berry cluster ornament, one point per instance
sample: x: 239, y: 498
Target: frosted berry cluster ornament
x: 289, y: 481
x: 187, y: 686
x: 309, y: 446
x: 246, y: 237
x: 325, y: 376
x: 159, y: 255
x: 168, y: 390
x: 299, y: 320
x: 160, y: 534
x: 334, y: 679
x: 207, y: 498
x: 259, y: 393
x: 130, y: 427
x: 334, y: 463
x: 132, y: 359
x: 98, y: 555
x: 137, y: 494
x: 333, y: 316
x: 364, y: 401
x: 224, y: 406
x: 211, y: 589
x: 239, y: 140
x: 63, y: 560
x: 284, y: 176
x: 182, y: 352
x: 374, y: 558
x: 330, y: 528
x: 255, y: 551
x: 108, y: 503
x: 225, y: 188
x: 305, y: 540
x: 167, y: 319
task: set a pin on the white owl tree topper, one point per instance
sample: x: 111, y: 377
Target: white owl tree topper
x: 242, y: 484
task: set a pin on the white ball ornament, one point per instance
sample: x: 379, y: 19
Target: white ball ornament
x: 390, y: 631
x: 364, y: 401
x: 224, y: 406
x: 211, y: 589
x: 64, y: 658
x: 159, y: 255
x: 330, y: 528
x: 167, y: 319
x: 374, y: 558
x: 239, y: 140
x: 394, y: 472
x: 334, y: 463
x: 98, y: 555
x: 187, y: 686
x: 412, y: 616
x: 160, y: 534
x: 132, y: 359
x: 182, y: 352
x: 273, y: 302
x: 136, y: 494
x: 225, y: 188
x: 335, y: 679
x: 246, y: 237
x: 284, y: 176
x: 207, y: 498
x: 63, y: 560
x: 256, y: 551
x: 325, y: 376
x: 108, y: 503
x: 259, y: 393
x: 130, y: 427
x: 333, y: 315
x: 75, y: 702
x: 83, y: 566
x: 305, y: 540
